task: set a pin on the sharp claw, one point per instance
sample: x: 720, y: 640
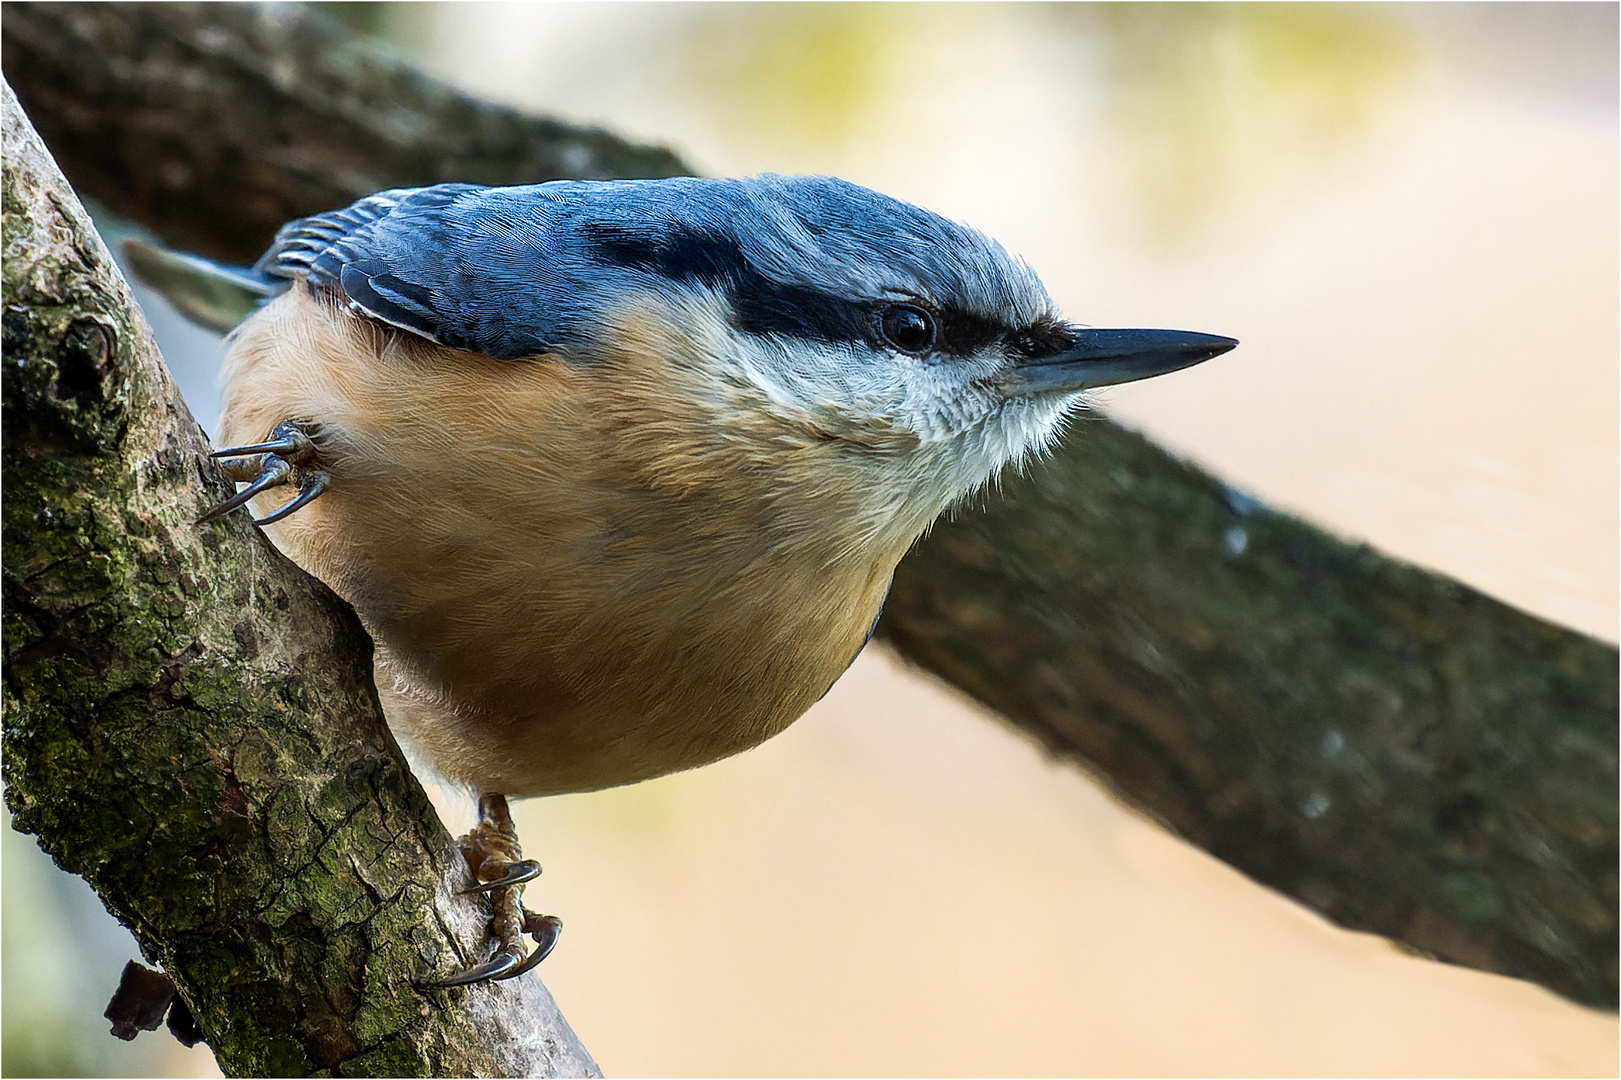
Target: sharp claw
x: 517, y: 873
x: 286, y: 438
x: 499, y: 966
x: 314, y: 484
x: 545, y: 929
x: 274, y: 446
x: 492, y: 845
x: 275, y: 472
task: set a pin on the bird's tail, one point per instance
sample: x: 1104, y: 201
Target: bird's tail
x: 210, y: 294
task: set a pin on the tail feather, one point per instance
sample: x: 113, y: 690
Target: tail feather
x: 210, y: 294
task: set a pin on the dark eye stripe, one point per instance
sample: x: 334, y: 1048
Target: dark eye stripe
x: 962, y: 333
x: 759, y: 305
x: 1043, y: 339
x: 763, y: 306
x: 677, y: 254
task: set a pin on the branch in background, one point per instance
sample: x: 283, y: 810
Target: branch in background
x: 213, y: 124
x: 1398, y: 751
x: 189, y: 719
x: 1391, y: 748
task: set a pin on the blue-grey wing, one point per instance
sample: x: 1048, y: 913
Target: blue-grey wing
x: 501, y: 271
x: 506, y: 271
x: 391, y: 256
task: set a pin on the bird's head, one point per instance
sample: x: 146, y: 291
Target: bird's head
x: 889, y: 332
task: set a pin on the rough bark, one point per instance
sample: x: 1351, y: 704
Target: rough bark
x: 1386, y: 745
x: 189, y: 719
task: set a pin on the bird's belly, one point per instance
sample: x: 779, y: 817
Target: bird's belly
x: 547, y: 618
x: 577, y: 673
x: 551, y: 738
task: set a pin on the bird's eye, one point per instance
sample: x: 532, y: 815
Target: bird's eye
x: 908, y: 328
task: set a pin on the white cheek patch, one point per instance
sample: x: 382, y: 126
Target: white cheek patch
x: 763, y: 370
x: 945, y: 399
x: 724, y: 368
x: 951, y: 407
x: 798, y: 376
x: 958, y: 429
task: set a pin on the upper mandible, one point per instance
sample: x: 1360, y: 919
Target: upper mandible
x: 517, y: 271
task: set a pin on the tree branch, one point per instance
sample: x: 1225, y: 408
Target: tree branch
x: 1391, y: 748
x: 214, y: 124
x: 1400, y: 752
x: 189, y: 719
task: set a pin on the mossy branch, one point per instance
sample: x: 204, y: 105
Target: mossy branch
x: 190, y: 723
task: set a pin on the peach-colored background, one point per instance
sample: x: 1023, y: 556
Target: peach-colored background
x: 1407, y: 214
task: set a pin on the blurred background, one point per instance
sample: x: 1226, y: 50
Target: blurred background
x: 1408, y: 215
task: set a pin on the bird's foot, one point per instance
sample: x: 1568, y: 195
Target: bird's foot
x: 499, y: 870
x: 289, y: 456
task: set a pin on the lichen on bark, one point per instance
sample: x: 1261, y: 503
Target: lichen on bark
x: 189, y: 719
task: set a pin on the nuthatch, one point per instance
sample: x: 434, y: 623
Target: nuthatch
x: 616, y: 474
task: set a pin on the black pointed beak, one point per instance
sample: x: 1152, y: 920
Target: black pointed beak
x: 1092, y: 358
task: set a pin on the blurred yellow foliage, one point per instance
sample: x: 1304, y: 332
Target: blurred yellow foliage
x: 802, y: 77
x: 1218, y: 106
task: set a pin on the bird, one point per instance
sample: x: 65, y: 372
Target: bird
x: 617, y: 473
